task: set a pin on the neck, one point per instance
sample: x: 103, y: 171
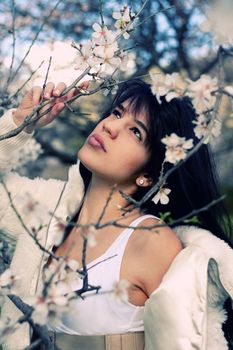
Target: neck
x: 95, y: 200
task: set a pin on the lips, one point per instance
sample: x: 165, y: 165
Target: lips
x: 96, y: 140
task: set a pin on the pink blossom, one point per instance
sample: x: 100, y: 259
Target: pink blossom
x: 203, y: 128
x: 176, y: 147
x: 124, y: 22
x: 201, y: 92
x: 162, y: 196
x: 84, y: 58
x: 120, y: 290
x: 8, y: 282
x: 171, y: 86
x: 89, y: 233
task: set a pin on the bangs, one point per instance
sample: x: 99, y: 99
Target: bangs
x: 140, y: 100
x: 138, y: 106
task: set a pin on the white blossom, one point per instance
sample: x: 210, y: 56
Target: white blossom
x: 106, y: 51
x: 85, y: 56
x: 50, y: 304
x: 171, y: 86
x: 6, y: 328
x: 89, y: 233
x: 27, y: 153
x: 64, y: 272
x: 110, y: 65
x: 124, y: 21
x: 106, y: 55
x: 120, y: 290
x: 158, y: 87
x: 220, y: 22
x: 203, y: 128
x: 201, y: 92
x: 128, y: 62
x: 28, y: 207
x: 176, y: 147
x: 175, y: 85
x: 162, y: 196
x: 229, y: 89
x: 8, y: 282
x: 58, y: 231
x: 40, y: 313
x: 49, y: 307
x: 65, y: 275
x: 100, y: 33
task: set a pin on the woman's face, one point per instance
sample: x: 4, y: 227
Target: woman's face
x: 123, y: 153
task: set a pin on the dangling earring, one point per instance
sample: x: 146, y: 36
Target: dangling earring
x: 141, y: 182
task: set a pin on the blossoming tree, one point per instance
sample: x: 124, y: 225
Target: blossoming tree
x: 100, y: 58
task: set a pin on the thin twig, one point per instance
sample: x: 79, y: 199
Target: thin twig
x: 27, y: 311
x: 101, y: 261
x: 34, y: 116
x: 113, y: 189
x: 33, y: 345
x: 46, y: 76
x: 13, y: 41
x: 24, y: 225
x: 25, y: 83
x: 154, y: 14
x: 101, y: 12
x: 35, y: 38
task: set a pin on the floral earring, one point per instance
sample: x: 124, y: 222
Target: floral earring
x: 140, y: 182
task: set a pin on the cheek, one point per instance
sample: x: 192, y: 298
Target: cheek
x: 122, y: 161
x: 127, y: 163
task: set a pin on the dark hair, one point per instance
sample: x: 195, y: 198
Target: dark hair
x: 195, y: 183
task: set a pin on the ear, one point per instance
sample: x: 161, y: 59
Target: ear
x: 144, y: 180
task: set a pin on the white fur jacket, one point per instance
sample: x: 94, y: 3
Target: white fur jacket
x: 184, y: 313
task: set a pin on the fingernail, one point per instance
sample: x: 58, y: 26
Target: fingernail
x: 46, y: 95
x: 57, y: 92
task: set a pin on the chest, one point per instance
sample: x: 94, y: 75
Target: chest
x: 98, y: 242
x: 106, y: 247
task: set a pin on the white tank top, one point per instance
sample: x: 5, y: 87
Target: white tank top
x: 102, y: 313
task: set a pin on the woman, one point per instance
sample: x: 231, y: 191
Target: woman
x: 125, y: 149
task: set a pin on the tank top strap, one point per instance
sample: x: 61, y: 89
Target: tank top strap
x: 120, y: 243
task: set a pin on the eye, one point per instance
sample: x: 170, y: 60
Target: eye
x: 116, y: 113
x: 137, y: 132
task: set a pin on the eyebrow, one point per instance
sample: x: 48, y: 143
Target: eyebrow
x: 139, y: 122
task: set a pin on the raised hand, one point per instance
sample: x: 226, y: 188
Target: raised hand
x: 36, y: 95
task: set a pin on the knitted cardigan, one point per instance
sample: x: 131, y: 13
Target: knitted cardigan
x: 184, y: 313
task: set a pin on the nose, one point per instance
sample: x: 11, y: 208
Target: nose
x: 111, y: 128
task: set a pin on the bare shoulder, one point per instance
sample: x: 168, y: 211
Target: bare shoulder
x: 153, y: 233
x: 158, y: 246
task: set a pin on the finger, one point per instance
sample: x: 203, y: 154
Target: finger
x: 48, y: 90
x: 36, y: 94
x: 59, y: 89
x: 77, y: 90
x: 84, y: 85
x: 72, y: 93
x: 57, y: 108
x: 67, y: 96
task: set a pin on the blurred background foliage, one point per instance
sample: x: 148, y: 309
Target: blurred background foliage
x: 170, y: 41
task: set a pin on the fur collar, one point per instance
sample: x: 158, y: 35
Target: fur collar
x: 214, y: 248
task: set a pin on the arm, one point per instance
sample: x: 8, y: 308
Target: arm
x: 158, y: 248
x: 10, y: 146
x: 15, y: 184
x: 175, y: 313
